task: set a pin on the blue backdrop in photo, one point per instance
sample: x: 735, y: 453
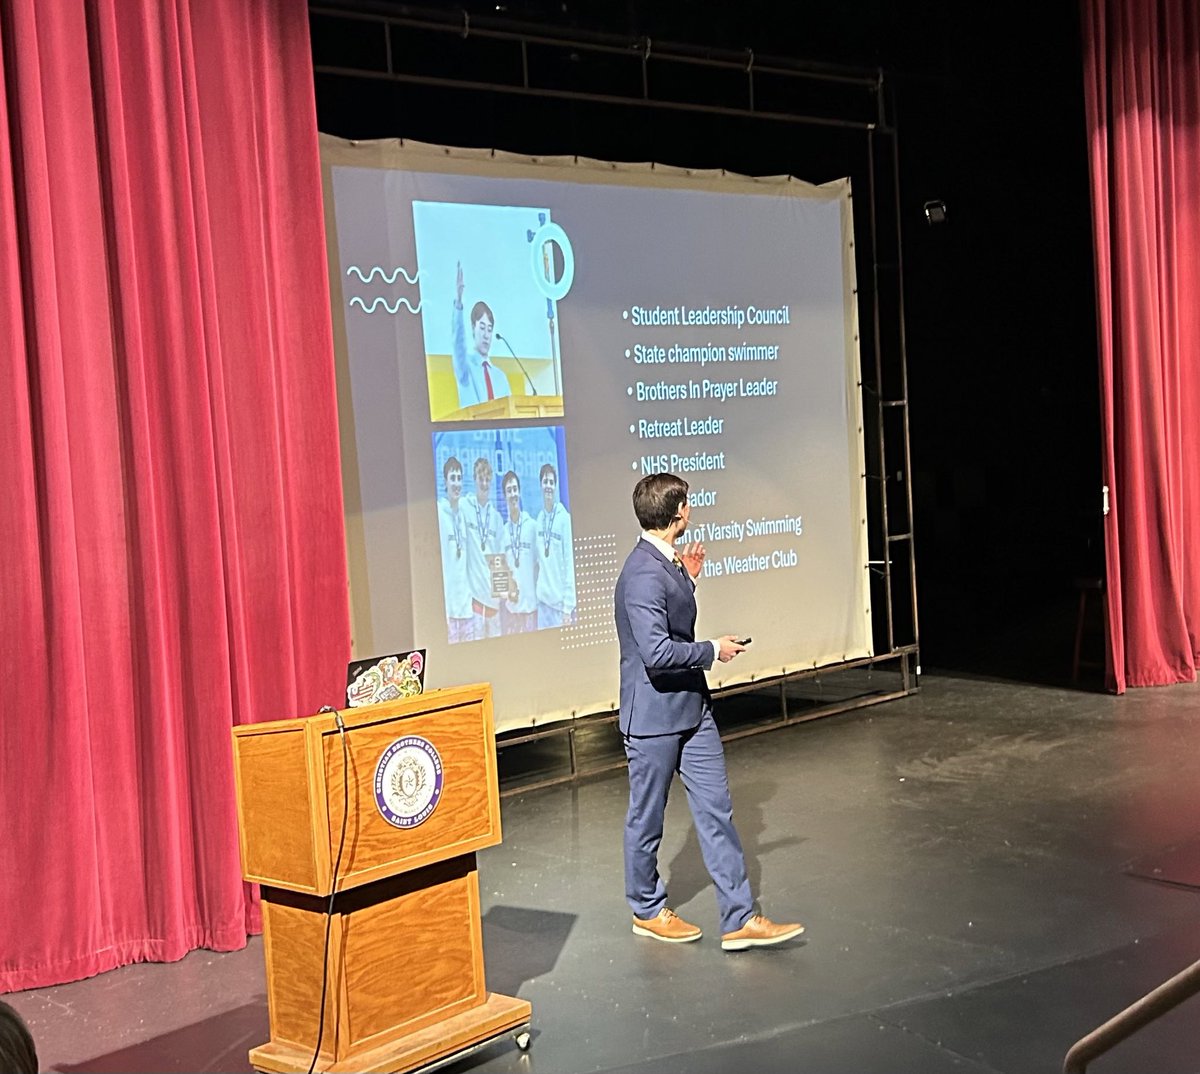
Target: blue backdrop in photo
x: 524, y: 450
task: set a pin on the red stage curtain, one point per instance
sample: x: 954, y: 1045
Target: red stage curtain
x: 172, y: 535
x: 1142, y: 82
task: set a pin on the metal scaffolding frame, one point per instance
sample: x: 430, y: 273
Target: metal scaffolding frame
x: 801, y: 95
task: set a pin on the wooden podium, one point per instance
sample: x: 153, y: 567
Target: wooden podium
x: 404, y: 975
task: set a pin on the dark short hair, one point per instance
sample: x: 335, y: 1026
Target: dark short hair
x: 482, y: 464
x: 17, y: 1052
x: 547, y: 469
x: 513, y: 475
x: 451, y: 464
x: 478, y: 310
x: 657, y: 499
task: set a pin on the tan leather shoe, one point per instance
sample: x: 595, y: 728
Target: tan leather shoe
x: 759, y: 931
x: 668, y: 926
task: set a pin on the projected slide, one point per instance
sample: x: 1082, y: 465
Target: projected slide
x: 519, y: 342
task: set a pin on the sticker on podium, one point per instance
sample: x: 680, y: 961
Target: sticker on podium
x: 408, y: 781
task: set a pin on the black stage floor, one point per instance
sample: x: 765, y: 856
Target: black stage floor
x: 987, y: 871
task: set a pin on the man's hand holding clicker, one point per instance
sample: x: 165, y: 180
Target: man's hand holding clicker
x: 728, y: 647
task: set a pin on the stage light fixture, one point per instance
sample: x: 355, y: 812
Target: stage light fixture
x: 935, y: 212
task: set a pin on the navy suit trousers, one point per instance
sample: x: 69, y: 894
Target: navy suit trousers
x: 698, y: 757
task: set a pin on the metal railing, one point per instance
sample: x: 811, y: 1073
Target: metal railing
x: 582, y: 763
x: 1166, y: 997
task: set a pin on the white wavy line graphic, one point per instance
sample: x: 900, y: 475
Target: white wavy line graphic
x: 377, y: 270
x: 386, y: 305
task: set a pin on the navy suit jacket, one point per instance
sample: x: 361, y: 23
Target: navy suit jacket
x: 663, y: 689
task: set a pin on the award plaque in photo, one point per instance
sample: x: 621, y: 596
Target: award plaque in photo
x: 501, y: 574
x: 385, y: 678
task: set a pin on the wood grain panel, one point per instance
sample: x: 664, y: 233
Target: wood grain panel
x: 416, y: 957
x: 404, y: 954
x: 466, y: 819
x: 496, y: 1016
x: 294, y: 942
x: 275, y: 815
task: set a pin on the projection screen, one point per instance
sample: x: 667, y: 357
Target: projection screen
x: 520, y: 339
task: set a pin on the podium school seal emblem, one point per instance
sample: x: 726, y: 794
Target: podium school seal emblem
x: 408, y: 781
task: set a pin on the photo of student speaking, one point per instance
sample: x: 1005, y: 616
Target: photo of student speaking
x: 491, y: 280
x: 504, y: 528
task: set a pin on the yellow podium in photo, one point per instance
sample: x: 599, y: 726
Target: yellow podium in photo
x: 510, y: 406
x: 412, y: 784
x: 534, y: 386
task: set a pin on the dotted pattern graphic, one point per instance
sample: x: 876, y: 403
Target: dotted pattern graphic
x: 596, y: 570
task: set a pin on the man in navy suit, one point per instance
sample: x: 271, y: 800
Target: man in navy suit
x: 667, y: 726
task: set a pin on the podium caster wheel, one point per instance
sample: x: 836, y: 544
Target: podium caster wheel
x: 524, y: 1040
